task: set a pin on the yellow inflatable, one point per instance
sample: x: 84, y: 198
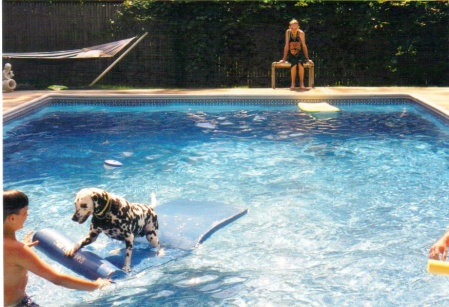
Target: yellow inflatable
x: 317, y: 107
x: 438, y: 267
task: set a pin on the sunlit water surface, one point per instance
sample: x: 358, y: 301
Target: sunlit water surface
x: 342, y: 210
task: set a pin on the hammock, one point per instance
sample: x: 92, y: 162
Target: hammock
x: 100, y: 51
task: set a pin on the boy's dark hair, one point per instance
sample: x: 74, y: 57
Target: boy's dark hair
x: 13, y: 202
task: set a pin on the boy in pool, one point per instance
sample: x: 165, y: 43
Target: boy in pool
x: 18, y: 258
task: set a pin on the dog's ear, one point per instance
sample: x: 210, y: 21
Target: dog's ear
x: 104, y: 198
x: 100, y: 198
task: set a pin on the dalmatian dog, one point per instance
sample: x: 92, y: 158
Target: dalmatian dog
x: 117, y: 218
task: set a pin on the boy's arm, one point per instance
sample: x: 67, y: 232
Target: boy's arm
x: 30, y: 261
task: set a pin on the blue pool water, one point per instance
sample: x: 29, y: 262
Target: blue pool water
x: 342, y: 210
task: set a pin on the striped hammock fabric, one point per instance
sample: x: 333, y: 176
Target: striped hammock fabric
x: 100, y: 51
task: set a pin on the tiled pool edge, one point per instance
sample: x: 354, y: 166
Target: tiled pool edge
x: 38, y: 103
x: 434, y: 108
x: 26, y: 108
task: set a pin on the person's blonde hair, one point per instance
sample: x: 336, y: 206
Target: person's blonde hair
x: 293, y: 21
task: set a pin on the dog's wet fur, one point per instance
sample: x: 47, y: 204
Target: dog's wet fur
x: 117, y: 218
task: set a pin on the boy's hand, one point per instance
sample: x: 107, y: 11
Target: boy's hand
x: 27, y: 240
x: 103, y: 282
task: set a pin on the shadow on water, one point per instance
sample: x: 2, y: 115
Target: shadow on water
x: 176, y: 287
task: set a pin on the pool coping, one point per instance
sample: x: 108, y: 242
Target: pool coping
x: 28, y: 107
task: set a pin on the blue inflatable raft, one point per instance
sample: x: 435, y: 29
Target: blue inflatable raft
x: 183, y: 225
x: 53, y: 244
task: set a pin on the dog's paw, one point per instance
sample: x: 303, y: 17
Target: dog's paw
x: 126, y: 268
x: 71, y: 252
x: 160, y: 252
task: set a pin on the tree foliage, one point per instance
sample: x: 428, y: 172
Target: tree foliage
x: 358, y: 42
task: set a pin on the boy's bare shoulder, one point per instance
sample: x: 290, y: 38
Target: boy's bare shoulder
x: 16, y: 253
x: 13, y: 247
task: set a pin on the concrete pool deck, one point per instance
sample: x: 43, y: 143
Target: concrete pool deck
x: 435, y: 96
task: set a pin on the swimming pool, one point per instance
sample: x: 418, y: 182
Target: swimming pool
x: 342, y: 210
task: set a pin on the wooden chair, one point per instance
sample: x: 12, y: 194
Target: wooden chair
x: 276, y: 65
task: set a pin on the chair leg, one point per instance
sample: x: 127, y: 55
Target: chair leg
x: 312, y: 76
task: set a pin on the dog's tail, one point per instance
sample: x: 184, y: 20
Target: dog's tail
x: 153, y: 200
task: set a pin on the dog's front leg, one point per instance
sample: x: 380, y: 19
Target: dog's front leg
x: 91, y: 237
x: 129, y: 240
x: 154, y: 242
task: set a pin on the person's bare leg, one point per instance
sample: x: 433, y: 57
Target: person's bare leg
x: 301, y: 76
x: 293, y: 74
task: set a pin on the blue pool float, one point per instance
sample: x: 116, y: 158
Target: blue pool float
x: 53, y: 244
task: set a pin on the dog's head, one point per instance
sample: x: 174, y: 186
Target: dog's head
x: 90, y: 201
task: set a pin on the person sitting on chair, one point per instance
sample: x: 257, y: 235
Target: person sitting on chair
x: 295, y: 52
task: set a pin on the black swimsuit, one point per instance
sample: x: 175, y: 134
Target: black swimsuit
x: 295, y: 54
